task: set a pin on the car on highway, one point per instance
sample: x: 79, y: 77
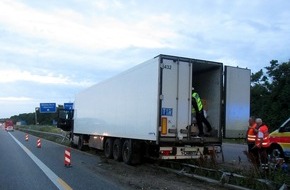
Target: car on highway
x: 9, y: 126
x: 280, y: 141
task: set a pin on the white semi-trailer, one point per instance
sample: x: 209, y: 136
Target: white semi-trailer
x: 147, y: 109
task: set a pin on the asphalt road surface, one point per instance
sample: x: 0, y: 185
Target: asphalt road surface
x: 24, y: 166
x: 234, y: 153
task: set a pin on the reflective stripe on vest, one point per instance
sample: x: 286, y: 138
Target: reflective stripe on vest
x: 251, y: 137
x: 265, y: 142
x: 193, y: 111
x: 198, y: 101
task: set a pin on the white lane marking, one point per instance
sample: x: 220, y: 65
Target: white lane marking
x: 58, y: 182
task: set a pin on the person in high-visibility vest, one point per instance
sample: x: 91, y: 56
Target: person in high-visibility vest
x: 262, y: 142
x: 199, y: 113
x: 251, y: 139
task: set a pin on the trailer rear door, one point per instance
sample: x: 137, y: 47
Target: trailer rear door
x: 237, y: 101
x: 176, y: 109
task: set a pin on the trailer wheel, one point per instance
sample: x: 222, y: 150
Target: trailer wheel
x: 127, y: 152
x: 108, y: 149
x: 117, y: 150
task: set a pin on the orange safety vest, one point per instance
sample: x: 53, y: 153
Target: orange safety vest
x: 266, y: 140
x: 251, y: 136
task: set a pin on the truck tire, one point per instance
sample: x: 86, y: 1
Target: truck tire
x: 108, y: 149
x: 117, y: 150
x: 127, y: 152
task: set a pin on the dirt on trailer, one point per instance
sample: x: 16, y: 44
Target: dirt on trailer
x: 148, y: 176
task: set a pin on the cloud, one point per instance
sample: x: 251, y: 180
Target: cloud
x: 104, y: 5
x: 14, y: 99
x: 67, y: 26
x: 51, y: 51
x: 14, y: 75
x: 9, y: 76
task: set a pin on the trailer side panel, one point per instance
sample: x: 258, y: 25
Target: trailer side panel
x: 124, y: 106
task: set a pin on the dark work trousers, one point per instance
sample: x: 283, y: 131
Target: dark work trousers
x: 253, y: 153
x: 264, y: 157
x: 200, y: 119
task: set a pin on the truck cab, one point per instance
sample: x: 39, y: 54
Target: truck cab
x: 280, y: 140
x: 9, y: 126
x: 65, y: 119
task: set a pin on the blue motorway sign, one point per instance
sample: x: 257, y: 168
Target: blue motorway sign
x: 47, y: 108
x: 68, y: 106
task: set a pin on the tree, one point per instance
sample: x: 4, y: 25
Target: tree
x: 270, y: 93
x: 42, y: 118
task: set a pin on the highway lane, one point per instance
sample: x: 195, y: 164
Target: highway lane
x: 79, y: 176
x: 17, y: 170
x: 82, y: 174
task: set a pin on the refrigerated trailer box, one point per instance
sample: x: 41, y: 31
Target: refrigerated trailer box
x: 148, y: 108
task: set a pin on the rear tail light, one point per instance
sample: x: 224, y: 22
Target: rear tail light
x: 165, y: 152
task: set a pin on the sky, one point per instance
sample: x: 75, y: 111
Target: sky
x: 52, y: 50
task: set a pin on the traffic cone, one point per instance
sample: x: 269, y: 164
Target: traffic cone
x: 67, y: 157
x: 26, y: 137
x: 38, y: 143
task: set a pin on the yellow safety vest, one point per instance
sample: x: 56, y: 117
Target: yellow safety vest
x: 198, y: 101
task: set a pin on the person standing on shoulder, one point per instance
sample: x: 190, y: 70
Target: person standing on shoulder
x: 199, y: 113
x: 251, y: 139
x: 262, y: 142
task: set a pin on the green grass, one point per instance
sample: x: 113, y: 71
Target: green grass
x: 44, y: 128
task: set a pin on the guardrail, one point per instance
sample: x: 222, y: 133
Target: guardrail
x: 224, y: 179
x: 64, y: 135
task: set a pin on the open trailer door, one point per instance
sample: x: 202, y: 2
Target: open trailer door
x: 237, y: 101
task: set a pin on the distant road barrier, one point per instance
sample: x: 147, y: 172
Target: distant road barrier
x: 64, y: 135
